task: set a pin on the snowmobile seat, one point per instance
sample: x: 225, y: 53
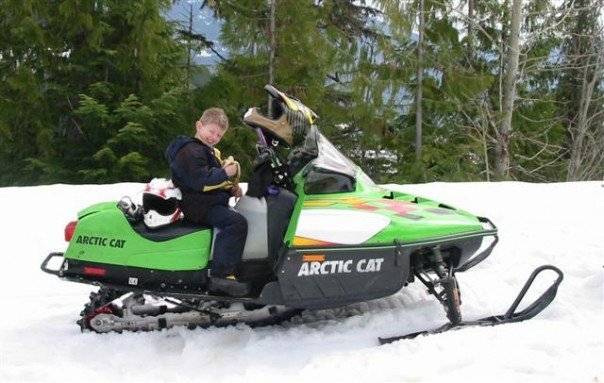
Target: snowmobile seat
x: 166, y: 233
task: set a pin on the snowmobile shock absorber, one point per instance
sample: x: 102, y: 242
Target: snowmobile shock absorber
x: 436, y: 259
x: 448, y: 295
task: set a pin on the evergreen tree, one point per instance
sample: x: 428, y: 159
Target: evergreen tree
x: 65, y: 64
x: 94, y: 90
x: 325, y: 54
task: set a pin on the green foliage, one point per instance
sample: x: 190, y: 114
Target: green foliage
x: 86, y: 81
x: 93, y: 91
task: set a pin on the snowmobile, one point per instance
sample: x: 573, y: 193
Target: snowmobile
x: 321, y: 235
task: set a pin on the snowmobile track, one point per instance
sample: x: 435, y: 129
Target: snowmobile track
x: 102, y: 305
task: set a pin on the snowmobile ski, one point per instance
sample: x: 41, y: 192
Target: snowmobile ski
x: 511, y: 316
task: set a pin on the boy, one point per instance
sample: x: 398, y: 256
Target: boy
x: 203, y: 179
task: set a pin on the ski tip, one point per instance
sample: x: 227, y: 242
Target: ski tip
x: 384, y: 341
x: 393, y: 339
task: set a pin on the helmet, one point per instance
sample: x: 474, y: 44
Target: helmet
x: 290, y: 120
x: 160, y: 203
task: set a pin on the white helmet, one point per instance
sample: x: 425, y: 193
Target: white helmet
x: 160, y: 203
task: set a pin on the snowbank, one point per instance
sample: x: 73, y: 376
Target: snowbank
x: 560, y: 224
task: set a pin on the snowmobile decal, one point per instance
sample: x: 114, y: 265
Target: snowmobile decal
x: 384, y: 206
x: 421, y: 218
x: 371, y: 265
x: 303, y: 241
x: 346, y: 227
x: 101, y: 241
x: 400, y: 207
x: 313, y: 258
x: 345, y: 202
x: 323, y: 268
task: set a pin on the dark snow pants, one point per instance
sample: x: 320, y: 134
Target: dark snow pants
x: 230, y: 240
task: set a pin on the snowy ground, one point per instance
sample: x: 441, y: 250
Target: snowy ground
x: 560, y: 224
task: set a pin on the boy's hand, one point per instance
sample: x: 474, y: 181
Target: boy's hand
x: 236, y: 191
x: 230, y: 169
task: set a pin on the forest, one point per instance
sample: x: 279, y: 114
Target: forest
x: 413, y: 91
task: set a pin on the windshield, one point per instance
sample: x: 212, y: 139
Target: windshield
x: 329, y: 171
x: 331, y: 159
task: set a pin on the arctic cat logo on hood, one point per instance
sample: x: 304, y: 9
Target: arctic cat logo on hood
x: 101, y: 241
x: 371, y: 265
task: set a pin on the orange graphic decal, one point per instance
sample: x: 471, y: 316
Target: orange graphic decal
x: 353, y: 201
x: 313, y: 257
x: 303, y: 241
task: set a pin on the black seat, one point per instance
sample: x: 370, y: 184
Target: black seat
x: 166, y: 233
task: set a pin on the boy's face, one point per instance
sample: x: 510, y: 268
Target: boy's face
x: 210, y: 134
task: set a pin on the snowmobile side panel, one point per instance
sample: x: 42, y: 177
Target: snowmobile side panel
x: 407, y: 221
x: 323, y: 278
x: 363, y: 185
x: 371, y: 216
x: 104, y: 235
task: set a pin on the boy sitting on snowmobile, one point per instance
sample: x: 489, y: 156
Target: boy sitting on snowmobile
x: 206, y: 183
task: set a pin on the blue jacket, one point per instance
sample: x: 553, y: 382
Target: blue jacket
x: 193, y: 164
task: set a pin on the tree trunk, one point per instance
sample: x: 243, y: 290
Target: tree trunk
x: 471, y: 32
x: 189, y: 47
x: 502, y: 153
x: 582, y: 125
x: 585, y: 59
x: 271, y: 54
x: 418, y: 94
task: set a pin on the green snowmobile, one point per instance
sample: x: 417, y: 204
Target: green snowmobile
x: 321, y: 235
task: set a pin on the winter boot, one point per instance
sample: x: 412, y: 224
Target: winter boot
x: 229, y: 285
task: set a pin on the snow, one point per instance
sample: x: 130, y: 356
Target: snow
x: 559, y: 224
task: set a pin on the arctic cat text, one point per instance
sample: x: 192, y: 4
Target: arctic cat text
x: 337, y: 267
x: 100, y: 241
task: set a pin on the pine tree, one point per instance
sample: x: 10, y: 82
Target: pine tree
x: 75, y: 59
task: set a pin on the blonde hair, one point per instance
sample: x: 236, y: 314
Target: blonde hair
x: 215, y: 116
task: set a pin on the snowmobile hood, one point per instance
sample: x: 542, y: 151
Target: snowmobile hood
x: 176, y: 145
x: 374, y: 216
